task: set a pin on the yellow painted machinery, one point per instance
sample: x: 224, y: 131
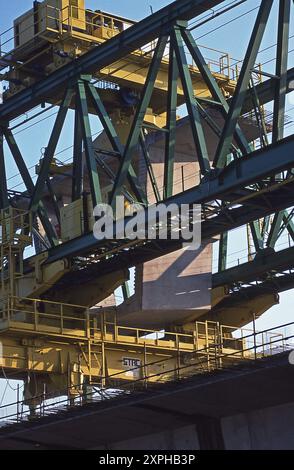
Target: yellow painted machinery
x: 60, y: 347
x: 64, y: 346
x: 55, y: 32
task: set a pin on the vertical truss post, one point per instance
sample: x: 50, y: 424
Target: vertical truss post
x: 77, y: 171
x: 275, y: 229
x: 223, y: 252
x: 288, y: 223
x: 4, y: 201
x: 50, y: 150
x: 126, y: 291
x: 170, y: 144
x: 148, y: 163
x: 53, y: 199
x: 281, y: 70
x: 139, y: 117
x: 28, y: 182
x: 242, y: 85
x: 82, y: 106
x: 213, y: 86
x: 115, y: 141
x: 258, y: 115
x: 192, y: 106
x: 265, y: 226
x: 256, y: 235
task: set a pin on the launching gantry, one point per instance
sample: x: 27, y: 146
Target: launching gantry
x: 59, y: 321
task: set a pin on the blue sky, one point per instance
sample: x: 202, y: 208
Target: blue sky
x: 232, y: 38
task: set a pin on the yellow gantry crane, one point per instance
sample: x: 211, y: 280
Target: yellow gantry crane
x: 62, y: 344
x: 55, y: 32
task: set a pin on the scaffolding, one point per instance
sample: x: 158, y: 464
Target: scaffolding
x: 15, y: 237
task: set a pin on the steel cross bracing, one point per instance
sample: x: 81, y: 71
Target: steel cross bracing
x: 240, y: 187
x: 232, y: 184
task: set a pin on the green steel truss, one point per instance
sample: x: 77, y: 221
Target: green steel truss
x: 175, y: 40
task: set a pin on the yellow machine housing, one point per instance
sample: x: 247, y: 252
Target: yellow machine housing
x: 59, y: 22
x: 46, y: 16
x: 76, y: 218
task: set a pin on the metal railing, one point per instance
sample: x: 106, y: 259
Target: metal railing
x: 257, y: 345
x: 15, y: 226
x: 67, y: 320
x: 101, y: 325
x: 98, y: 325
x: 62, y: 21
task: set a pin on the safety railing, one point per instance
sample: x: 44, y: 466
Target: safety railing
x: 70, y: 19
x: 46, y: 316
x: 15, y: 236
x: 99, y: 325
x: 219, y: 62
x: 15, y: 227
x: 257, y: 345
x: 243, y: 256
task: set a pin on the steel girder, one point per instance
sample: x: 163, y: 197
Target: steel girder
x: 216, y: 93
x: 223, y: 251
x: 171, y: 123
x: 263, y: 267
x: 192, y: 107
x: 280, y: 99
x: 77, y: 177
x: 82, y: 108
x: 146, y: 156
x: 242, y: 173
x: 272, y: 283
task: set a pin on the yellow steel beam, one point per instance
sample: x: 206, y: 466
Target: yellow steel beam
x: 67, y: 342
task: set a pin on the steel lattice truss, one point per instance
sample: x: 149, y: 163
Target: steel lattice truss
x: 240, y: 187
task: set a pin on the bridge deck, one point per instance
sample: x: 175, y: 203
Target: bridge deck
x: 268, y: 382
